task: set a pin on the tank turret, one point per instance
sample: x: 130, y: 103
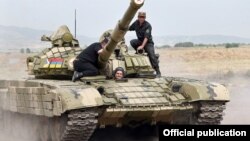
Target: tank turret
x: 62, y: 37
x: 56, y: 61
x: 119, y: 31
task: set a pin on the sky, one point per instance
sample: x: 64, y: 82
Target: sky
x: 167, y: 17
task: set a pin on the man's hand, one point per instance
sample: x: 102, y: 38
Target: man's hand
x: 143, y: 44
x: 140, y: 48
x: 100, y: 51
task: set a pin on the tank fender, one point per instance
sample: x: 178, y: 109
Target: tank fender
x: 79, y: 98
x: 211, y: 91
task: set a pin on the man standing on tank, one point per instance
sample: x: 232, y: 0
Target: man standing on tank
x: 86, y: 63
x: 144, y: 40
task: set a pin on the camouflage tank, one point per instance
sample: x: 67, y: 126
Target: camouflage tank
x: 59, y: 109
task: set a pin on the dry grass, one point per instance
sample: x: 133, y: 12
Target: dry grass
x: 204, y: 61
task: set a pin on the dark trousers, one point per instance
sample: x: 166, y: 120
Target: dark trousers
x: 149, y: 48
x: 86, y: 68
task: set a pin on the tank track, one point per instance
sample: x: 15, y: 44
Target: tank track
x: 210, y: 113
x: 80, y: 126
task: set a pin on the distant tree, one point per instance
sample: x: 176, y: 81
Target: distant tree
x: 200, y: 45
x: 166, y: 46
x: 232, y: 45
x: 22, y: 50
x: 163, y: 46
x: 205, y: 45
x: 28, y: 50
x: 184, y: 44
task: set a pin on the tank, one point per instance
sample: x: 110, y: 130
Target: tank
x: 60, y: 110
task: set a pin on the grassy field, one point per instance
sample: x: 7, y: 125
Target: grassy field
x: 204, y: 62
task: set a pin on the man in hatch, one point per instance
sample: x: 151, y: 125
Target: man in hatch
x: 144, y: 40
x: 119, y: 73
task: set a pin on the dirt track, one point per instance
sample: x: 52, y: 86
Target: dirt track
x: 228, y: 66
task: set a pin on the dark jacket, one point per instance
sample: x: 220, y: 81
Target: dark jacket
x: 90, y: 54
x: 143, y: 31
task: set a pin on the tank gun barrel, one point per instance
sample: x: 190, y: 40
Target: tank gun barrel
x: 119, y: 31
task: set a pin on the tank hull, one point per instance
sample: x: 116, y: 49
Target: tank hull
x: 60, y: 105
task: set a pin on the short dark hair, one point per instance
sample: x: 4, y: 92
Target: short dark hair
x: 119, y: 69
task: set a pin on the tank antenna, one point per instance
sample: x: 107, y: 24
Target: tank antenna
x: 75, y: 23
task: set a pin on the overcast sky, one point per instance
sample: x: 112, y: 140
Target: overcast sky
x: 168, y: 17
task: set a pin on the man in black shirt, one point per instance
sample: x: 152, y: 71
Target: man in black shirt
x: 145, y: 40
x: 86, y: 63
